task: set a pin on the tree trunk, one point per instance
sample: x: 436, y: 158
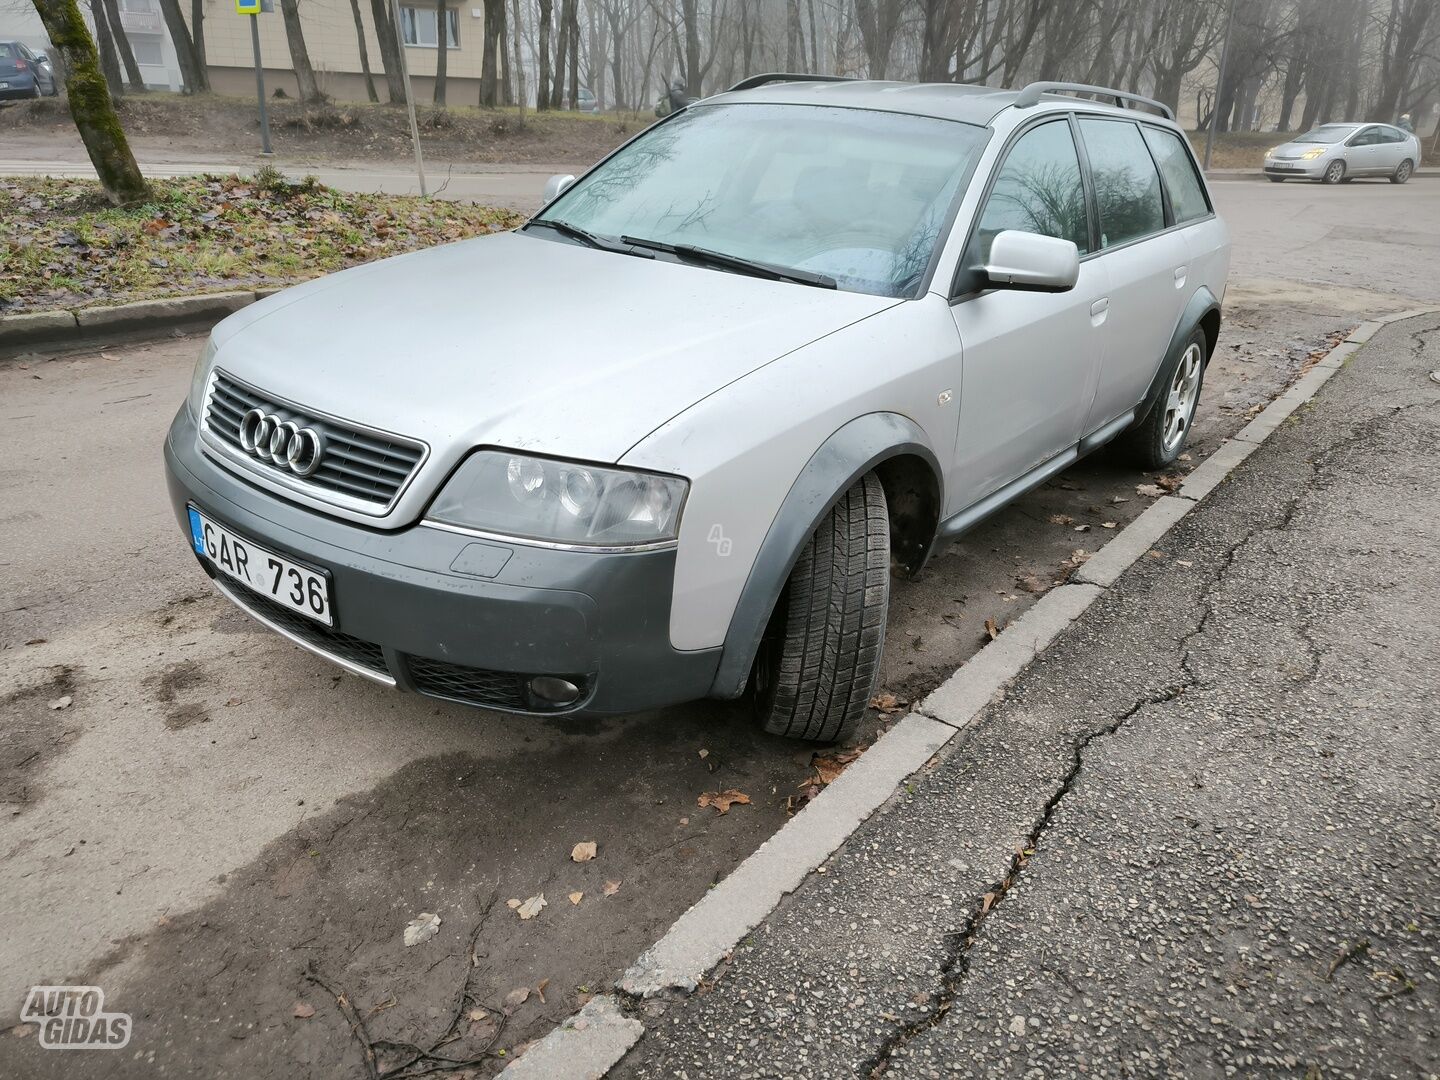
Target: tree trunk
x: 109, y: 63
x: 387, y: 34
x: 542, y: 84
x: 519, y: 69
x: 197, y: 31
x: 299, y: 54
x: 364, y: 52
x: 122, y: 46
x: 562, y: 46
x: 192, y: 72
x: 442, y: 49
x: 490, y: 53
x: 691, y: 9
x: 793, y: 41
x: 89, y: 100
x: 572, y: 29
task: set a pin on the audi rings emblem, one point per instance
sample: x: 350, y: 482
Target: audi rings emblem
x: 283, y: 443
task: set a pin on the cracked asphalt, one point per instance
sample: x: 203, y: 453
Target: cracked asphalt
x: 1198, y: 837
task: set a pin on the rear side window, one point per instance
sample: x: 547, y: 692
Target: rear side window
x: 1127, y: 187
x: 1187, y: 196
x: 1038, y: 190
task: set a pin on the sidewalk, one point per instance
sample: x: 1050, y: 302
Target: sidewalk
x: 1199, y: 837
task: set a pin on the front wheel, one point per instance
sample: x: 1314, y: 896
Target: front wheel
x: 820, y: 656
x: 1334, y: 173
x: 1402, y: 172
x: 1156, y: 441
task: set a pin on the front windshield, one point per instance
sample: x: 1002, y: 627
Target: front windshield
x: 854, y: 194
x: 1330, y: 133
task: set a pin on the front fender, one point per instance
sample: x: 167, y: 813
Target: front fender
x: 851, y: 452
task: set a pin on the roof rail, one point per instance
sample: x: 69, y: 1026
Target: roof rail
x: 1031, y: 96
x: 780, y: 76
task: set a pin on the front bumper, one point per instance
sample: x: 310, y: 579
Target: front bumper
x: 1294, y: 167
x: 405, y: 615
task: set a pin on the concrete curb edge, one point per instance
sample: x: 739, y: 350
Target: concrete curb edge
x: 705, y: 934
x: 99, y: 325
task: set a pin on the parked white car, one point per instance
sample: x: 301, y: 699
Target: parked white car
x: 1338, y: 153
x: 666, y: 441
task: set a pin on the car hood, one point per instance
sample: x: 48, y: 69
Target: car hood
x: 1295, y: 149
x: 523, y: 342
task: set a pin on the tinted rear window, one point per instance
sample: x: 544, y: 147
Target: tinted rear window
x: 1127, y: 187
x: 7, y: 52
x: 1187, y: 194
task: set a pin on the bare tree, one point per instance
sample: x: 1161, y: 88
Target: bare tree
x: 136, y: 81
x: 542, y: 84
x: 387, y: 34
x: 299, y: 54
x: 90, y: 105
x: 442, y: 50
x: 105, y: 40
x: 1403, y: 31
x: 364, y: 51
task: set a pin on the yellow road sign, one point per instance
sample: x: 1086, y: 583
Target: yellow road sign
x: 247, y: 7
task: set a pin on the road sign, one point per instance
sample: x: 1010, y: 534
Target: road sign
x: 247, y: 7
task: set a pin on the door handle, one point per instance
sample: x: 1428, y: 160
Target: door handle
x: 1180, y: 275
x: 1098, y: 310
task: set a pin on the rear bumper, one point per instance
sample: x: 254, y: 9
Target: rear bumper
x: 457, y: 617
x: 18, y: 86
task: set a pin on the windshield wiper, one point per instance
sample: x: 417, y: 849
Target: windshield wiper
x: 589, y: 239
x: 734, y: 262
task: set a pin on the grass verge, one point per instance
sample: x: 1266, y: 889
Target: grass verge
x: 63, y: 246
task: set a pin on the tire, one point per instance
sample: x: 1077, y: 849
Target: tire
x: 1159, y: 438
x: 1276, y: 179
x: 820, y: 657
x: 1402, y: 172
x: 1334, y: 172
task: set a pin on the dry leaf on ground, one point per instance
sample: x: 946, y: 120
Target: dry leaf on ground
x: 421, y: 928
x: 303, y: 1010
x: 477, y: 1014
x: 576, y: 897
x: 1170, y: 481
x: 530, y: 908
x: 61, y: 702
x: 1061, y: 519
x: 540, y: 990
x: 1150, y: 491
x: 888, y: 703
x: 828, y: 767
x: 517, y: 997
x: 992, y: 629
x: 723, y: 800
x: 512, y: 904
x: 610, y: 888
x: 583, y: 852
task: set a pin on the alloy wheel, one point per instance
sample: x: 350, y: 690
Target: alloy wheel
x: 1180, y: 401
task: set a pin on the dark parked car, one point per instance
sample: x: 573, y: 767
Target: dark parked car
x: 25, y: 73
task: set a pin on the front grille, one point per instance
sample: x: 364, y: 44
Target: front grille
x: 318, y: 636
x: 360, y: 465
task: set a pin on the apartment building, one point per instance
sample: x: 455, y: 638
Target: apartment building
x: 334, y: 48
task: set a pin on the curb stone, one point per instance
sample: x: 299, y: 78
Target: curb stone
x: 702, y: 936
x: 585, y: 1045
x: 92, y: 326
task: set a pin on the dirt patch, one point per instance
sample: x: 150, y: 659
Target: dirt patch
x: 211, y: 125
x: 33, y: 732
x: 173, y: 682
x: 214, y: 991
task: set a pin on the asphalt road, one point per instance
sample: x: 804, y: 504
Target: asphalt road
x: 215, y: 808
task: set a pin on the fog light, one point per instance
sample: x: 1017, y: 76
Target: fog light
x: 553, y: 690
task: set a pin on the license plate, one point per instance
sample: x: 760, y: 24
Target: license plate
x: 286, y: 582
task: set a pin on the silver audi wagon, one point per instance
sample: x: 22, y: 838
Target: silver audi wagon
x: 670, y: 439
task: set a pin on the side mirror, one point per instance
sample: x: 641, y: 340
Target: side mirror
x: 1029, y: 261
x: 556, y: 185
x: 42, y: 58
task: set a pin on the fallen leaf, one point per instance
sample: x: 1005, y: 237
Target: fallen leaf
x: 583, y: 852
x: 704, y: 754
x: 36, y: 641
x: 1082, y: 528
x: 888, y: 703
x: 1150, y: 491
x: 992, y: 629
x: 476, y: 1014
x: 576, y: 897
x: 304, y: 1011
x: 1061, y: 519
x: 1117, y: 499
x: 61, y: 702
x: 512, y: 904
x: 1170, y: 481
x: 421, y: 928
x: 828, y: 767
x: 1030, y: 583
x: 1107, y: 524
x: 517, y: 997
x: 723, y: 800
x: 530, y: 908
x: 540, y: 990
x: 610, y: 888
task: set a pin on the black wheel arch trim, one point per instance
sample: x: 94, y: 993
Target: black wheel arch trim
x: 855, y: 449
x: 1202, y: 307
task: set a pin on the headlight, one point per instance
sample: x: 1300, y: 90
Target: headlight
x: 1311, y: 155
x: 199, y: 377
x: 563, y: 502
